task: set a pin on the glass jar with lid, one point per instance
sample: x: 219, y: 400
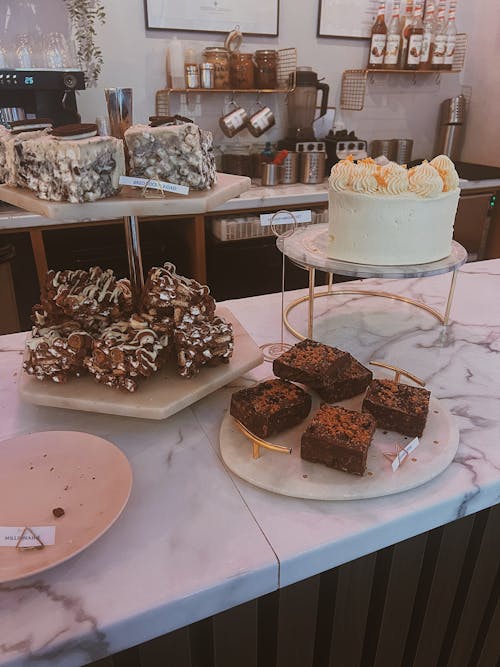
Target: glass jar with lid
x: 219, y: 57
x: 266, y: 69
x: 242, y: 74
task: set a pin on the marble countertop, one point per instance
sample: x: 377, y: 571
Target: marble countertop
x: 195, y: 540
x: 298, y: 194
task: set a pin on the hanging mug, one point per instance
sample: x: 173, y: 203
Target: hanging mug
x: 261, y: 121
x: 234, y: 121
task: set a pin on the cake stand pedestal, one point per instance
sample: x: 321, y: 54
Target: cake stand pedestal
x: 307, y: 249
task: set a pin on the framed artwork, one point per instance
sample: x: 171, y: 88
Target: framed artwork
x: 253, y: 17
x: 346, y: 18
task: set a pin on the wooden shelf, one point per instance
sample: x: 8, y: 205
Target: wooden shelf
x: 234, y: 91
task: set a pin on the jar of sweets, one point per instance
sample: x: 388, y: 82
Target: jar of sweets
x: 242, y: 77
x: 219, y: 57
x: 266, y: 69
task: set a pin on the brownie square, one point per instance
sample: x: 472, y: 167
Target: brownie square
x: 311, y: 363
x: 339, y: 438
x: 351, y: 382
x: 397, y: 407
x: 270, y: 407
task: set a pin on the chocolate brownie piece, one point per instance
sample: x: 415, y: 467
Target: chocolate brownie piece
x: 339, y: 438
x: 208, y: 342
x: 311, y: 363
x: 351, y: 382
x: 397, y: 407
x: 270, y: 407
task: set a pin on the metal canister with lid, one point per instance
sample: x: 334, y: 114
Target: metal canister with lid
x: 192, y: 76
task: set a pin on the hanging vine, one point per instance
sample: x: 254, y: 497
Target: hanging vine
x: 85, y: 15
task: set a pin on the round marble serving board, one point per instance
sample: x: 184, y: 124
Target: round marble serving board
x: 87, y: 476
x: 289, y: 475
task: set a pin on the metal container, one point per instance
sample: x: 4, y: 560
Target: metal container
x: 192, y: 75
x: 207, y: 75
x: 402, y: 150
x: 271, y: 174
x: 312, y: 167
x: 290, y: 168
x: 453, y: 110
x: 385, y: 147
x: 451, y: 128
x: 119, y: 101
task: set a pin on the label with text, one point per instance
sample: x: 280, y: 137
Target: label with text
x: 155, y: 184
x: 284, y: 218
x: 33, y: 535
x: 404, y: 453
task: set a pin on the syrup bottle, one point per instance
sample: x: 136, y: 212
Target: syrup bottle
x: 415, y: 39
x: 425, y: 58
x: 451, y: 37
x: 405, y: 31
x: 393, y: 45
x: 439, y: 46
x: 378, y: 40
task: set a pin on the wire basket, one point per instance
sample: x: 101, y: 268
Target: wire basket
x: 352, y: 95
x: 287, y: 69
x: 249, y: 227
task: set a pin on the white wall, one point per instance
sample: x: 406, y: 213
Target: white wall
x: 396, y: 105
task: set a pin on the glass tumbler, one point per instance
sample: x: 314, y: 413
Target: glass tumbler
x: 55, y: 51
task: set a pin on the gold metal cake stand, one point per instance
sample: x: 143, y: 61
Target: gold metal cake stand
x: 307, y: 249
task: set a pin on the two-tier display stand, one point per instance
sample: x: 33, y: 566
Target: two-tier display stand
x: 165, y: 393
x: 129, y: 205
x: 307, y: 249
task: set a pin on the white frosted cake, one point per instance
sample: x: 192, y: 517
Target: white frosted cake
x: 72, y: 164
x: 173, y: 151
x: 389, y: 215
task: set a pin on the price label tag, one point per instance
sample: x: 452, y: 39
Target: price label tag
x: 153, y: 183
x: 410, y: 447
x: 284, y: 218
x: 9, y: 536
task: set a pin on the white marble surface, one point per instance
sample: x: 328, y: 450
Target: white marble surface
x: 179, y: 552
x: 461, y: 365
x: 192, y: 541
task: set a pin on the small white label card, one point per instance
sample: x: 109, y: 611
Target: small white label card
x: 155, y: 184
x: 33, y: 536
x: 284, y: 218
x: 404, y: 453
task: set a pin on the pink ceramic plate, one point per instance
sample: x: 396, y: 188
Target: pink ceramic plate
x: 90, y: 478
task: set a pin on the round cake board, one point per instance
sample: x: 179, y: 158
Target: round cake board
x: 289, y: 475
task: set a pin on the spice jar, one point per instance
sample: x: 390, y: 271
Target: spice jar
x: 207, y: 76
x: 219, y: 57
x: 242, y: 77
x: 266, y: 69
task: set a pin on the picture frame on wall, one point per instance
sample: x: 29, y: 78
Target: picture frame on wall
x: 346, y: 18
x: 251, y: 17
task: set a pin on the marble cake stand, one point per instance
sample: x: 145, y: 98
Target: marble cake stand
x: 129, y: 205
x: 307, y: 249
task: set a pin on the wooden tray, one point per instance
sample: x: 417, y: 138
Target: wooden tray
x: 129, y: 202
x: 157, y: 397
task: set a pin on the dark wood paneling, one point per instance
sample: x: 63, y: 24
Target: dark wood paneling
x: 128, y: 658
x: 478, y: 593
x: 352, y: 603
x: 487, y: 647
x: 298, y: 606
x: 172, y: 649
x: 399, y: 601
x: 437, y: 607
x: 235, y: 636
x: 201, y: 640
x: 268, y: 611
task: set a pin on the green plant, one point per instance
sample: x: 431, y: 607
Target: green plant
x: 84, y: 16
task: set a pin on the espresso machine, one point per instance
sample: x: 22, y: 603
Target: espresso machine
x: 302, y: 108
x: 39, y: 93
